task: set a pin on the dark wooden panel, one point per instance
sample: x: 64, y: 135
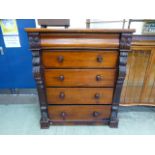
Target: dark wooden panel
x: 79, y: 113
x: 79, y: 95
x: 80, y: 77
x: 80, y: 59
x: 82, y: 122
x: 125, y: 42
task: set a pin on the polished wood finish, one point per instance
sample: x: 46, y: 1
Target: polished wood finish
x: 80, y: 77
x: 79, y: 95
x: 85, y: 40
x: 139, y: 85
x: 80, y: 59
x: 80, y: 73
x: 104, y: 31
x: 79, y: 113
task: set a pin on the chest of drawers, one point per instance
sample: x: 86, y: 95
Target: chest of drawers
x: 79, y: 74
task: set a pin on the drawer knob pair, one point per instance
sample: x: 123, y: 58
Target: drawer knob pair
x: 62, y: 95
x: 60, y: 59
x: 99, y: 58
x: 63, y: 114
x: 98, y: 77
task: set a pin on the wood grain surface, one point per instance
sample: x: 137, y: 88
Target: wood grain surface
x: 79, y: 95
x: 80, y: 59
x: 139, y: 85
x: 80, y: 77
x: 79, y: 113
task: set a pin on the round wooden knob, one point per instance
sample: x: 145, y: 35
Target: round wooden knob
x: 99, y: 77
x: 99, y: 58
x: 60, y: 58
x: 96, y: 114
x: 61, y: 78
x: 62, y: 95
x: 97, y: 95
x: 63, y: 115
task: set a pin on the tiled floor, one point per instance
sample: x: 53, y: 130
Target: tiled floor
x: 20, y: 119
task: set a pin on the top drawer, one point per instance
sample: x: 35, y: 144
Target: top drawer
x: 79, y: 59
x: 80, y: 40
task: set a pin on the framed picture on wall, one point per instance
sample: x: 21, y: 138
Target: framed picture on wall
x: 148, y: 28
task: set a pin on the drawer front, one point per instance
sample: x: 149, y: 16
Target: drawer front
x: 79, y: 95
x: 80, y: 40
x: 80, y: 77
x: 87, y: 59
x: 79, y: 113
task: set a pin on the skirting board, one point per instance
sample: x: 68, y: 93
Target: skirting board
x: 18, y: 96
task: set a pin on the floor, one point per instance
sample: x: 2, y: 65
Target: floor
x: 23, y: 119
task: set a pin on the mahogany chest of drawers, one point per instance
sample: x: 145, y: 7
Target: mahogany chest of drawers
x: 79, y: 74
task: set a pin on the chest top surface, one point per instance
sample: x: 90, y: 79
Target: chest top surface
x: 76, y: 38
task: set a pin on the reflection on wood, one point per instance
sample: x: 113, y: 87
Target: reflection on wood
x: 139, y: 85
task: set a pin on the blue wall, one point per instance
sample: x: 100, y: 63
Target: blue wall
x: 16, y: 63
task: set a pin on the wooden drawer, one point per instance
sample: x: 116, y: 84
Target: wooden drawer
x: 79, y: 113
x: 80, y: 77
x: 79, y: 40
x: 80, y: 59
x: 79, y: 95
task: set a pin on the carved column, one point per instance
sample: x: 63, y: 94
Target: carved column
x: 39, y: 77
x: 125, y: 43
